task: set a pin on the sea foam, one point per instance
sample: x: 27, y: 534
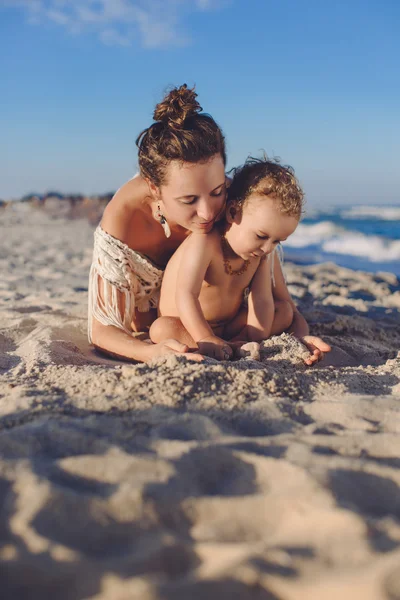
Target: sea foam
x: 330, y: 238
x: 383, y: 213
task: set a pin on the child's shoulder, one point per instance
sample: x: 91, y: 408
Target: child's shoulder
x: 204, y: 240
x: 204, y: 245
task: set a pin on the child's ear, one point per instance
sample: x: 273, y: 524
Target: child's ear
x: 231, y: 212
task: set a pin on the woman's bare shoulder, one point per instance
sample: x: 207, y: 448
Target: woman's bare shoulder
x: 127, y: 204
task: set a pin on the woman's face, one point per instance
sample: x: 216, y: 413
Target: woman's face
x: 194, y: 194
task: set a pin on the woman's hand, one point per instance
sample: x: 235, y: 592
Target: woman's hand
x: 317, y: 348
x: 215, y: 347
x: 171, y: 346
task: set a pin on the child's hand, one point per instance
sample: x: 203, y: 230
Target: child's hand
x: 215, y: 347
x: 317, y: 348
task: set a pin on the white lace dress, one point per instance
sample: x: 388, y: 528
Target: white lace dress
x: 129, y: 281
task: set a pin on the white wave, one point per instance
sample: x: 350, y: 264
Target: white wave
x: 308, y: 235
x: 375, y: 248
x: 385, y: 213
x: 336, y: 240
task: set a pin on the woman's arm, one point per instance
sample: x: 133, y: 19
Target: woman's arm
x: 121, y: 345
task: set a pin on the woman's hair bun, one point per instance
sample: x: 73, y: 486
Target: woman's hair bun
x: 179, y: 104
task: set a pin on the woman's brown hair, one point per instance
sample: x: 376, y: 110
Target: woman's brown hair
x: 180, y: 132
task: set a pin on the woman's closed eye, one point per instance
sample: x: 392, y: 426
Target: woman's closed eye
x: 219, y: 192
x: 195, y: 198
x: 192, y: 201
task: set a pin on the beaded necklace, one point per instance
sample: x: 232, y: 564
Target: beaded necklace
x: 227, y: 265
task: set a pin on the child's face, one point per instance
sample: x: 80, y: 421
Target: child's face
x: 259, y: 228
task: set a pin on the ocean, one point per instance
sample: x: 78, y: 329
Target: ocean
x: 357, y: 237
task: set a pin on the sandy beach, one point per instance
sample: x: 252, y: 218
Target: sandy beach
x: 252, y: 479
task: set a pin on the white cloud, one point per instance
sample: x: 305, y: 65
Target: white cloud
x: 155, y: 23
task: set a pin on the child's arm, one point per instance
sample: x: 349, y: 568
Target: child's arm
x: 192, y: 270
x: 299, y: 326
x: 261, y: 304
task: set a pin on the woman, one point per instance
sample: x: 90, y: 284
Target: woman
x: 181, y: 188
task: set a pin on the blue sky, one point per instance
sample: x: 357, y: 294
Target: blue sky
x: 314, y: 82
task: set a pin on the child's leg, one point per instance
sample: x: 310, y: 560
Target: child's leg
x: 165, y: 328
x: 232, y: 330
x: 283, y: 317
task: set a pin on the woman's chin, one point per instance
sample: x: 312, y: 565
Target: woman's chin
x: 203, y: 227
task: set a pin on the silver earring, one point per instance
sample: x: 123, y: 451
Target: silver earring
x: 163, y: 222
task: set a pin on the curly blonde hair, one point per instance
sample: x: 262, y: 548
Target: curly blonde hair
x: 267, y: 177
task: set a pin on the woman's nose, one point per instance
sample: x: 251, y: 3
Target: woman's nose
x: 205, y: 211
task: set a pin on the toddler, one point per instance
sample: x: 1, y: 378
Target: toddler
x: 207, y: 279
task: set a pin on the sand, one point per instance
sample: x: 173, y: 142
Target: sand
x: 259, y: 478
